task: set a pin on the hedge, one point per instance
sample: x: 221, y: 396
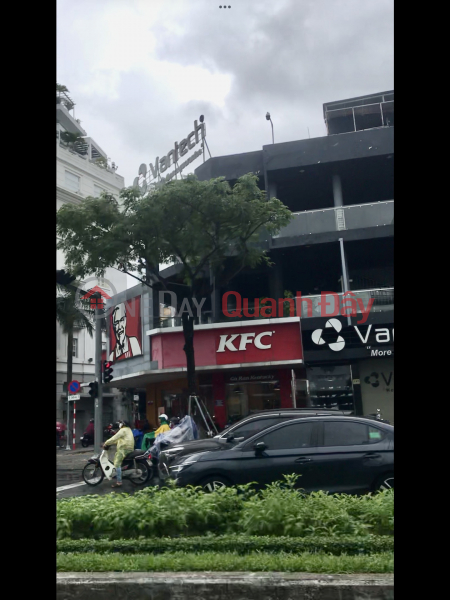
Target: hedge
x: 241, y: 544
x: 178, y: 561
x: 275, y: 511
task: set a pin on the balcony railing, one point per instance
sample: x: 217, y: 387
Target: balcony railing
x: 356, y: 216
x: 379, y: 300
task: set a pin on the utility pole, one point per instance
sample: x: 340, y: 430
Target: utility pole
x: 98, y: 413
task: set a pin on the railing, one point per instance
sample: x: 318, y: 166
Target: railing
x: 377, y: 300
x: 355, y: 216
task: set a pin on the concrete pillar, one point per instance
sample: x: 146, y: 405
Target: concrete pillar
x: 272, y: 189
x: 337, y: 190
x: 276, y: 282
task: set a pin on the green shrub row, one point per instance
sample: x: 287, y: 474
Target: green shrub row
x: 178, y: 561
x: 240, y: 544
x: 279, y: 510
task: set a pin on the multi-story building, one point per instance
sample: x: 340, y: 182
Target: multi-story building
x: 340, y: 241
x: 82, y: 170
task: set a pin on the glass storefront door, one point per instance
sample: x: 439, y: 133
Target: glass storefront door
x: 248, y: 397
x: 330, y: 386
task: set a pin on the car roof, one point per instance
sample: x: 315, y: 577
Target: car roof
x: 353, y: 418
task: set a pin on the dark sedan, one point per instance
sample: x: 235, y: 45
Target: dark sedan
x: 240, y: 431
x: 338, y: 454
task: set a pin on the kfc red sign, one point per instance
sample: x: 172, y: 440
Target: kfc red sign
x: 226, y: 341
x: 231, y: 345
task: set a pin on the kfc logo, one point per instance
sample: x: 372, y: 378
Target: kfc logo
x: 227, y: 341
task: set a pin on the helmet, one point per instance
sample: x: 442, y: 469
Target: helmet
x: 163, y: 416
x: 91, y: 420
x: 124, y: 423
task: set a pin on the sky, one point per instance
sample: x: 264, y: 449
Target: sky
x: 141, y: 71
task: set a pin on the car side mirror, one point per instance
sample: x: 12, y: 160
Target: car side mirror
x: 260, y: 447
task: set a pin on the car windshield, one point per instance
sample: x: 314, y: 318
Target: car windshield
x: 247, y: 429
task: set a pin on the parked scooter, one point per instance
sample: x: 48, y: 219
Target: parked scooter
x: 87, y: 440
x: 135, y: 467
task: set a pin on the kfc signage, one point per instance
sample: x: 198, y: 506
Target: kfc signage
x: 125, y: 330
x: 226, y: 341
x: 231, y: 345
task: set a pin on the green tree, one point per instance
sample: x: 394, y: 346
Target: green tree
x: 61, y: 89
x: 71, y: 317
x: 204, y: 226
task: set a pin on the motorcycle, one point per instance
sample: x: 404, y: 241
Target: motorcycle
x: 86, y: 440
x: 109, y: 431
x: 135, y: 467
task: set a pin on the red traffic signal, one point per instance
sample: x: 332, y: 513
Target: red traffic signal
x: 107, y: 371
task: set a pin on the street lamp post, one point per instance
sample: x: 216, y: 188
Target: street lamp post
x: 269, y: 119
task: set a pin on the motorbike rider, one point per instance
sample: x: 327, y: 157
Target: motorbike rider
x: 90, y: 429
x: 174, y: 422
x: 125, y: 444
x: 163, y: 425
x: 148, y: 438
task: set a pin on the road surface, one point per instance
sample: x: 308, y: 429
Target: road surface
x: 69, y: 481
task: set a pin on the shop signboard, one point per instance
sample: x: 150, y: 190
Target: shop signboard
x: 333, y: 340
x: 261, y: 343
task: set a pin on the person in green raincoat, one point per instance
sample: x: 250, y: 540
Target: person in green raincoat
x: 148, y: 437
x: 124, y: 439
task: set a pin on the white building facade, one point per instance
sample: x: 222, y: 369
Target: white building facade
x: 83, y: 170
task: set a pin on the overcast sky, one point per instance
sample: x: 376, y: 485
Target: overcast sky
x: 141, y: 71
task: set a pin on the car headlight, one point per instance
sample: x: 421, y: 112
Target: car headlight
x: 189, y: 460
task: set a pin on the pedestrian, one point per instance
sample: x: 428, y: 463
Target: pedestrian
x: 125, y: 444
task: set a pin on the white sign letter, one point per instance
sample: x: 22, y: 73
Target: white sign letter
x: 383, y: 336
x: 246, y: 339
x: 224, y: 343
x: 258, y: 343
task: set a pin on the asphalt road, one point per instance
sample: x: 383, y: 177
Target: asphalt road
x: 69, y: 481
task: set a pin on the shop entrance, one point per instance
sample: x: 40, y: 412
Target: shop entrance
x: 244, y: 397
x: 330, y: 386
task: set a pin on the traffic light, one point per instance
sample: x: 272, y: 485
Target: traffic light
x: 93, y: 389
x: 107, y: 371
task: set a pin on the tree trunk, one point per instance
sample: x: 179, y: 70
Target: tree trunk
x: 188, y: 331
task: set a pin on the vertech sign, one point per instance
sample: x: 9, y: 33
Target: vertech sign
x: 261, y: 342
x: 145, y: 178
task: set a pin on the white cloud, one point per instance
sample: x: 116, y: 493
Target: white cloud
x: 141, y: 71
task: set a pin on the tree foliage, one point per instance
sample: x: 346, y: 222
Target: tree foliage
x: 200, y: 225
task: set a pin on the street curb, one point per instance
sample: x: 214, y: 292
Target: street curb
x: 223, y: 586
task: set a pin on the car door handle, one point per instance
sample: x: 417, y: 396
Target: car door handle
x: 303, y: 459
x: 372, y: 455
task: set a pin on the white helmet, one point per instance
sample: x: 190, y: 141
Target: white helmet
x: 163, y: 417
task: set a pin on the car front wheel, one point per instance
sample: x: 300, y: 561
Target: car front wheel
x: 214, y: 483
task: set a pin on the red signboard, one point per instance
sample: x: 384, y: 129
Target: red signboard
x: 233, y: 345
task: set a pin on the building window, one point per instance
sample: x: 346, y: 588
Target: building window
x: 72, y: 182
x: 75, y: 348
x: 98, y: 191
